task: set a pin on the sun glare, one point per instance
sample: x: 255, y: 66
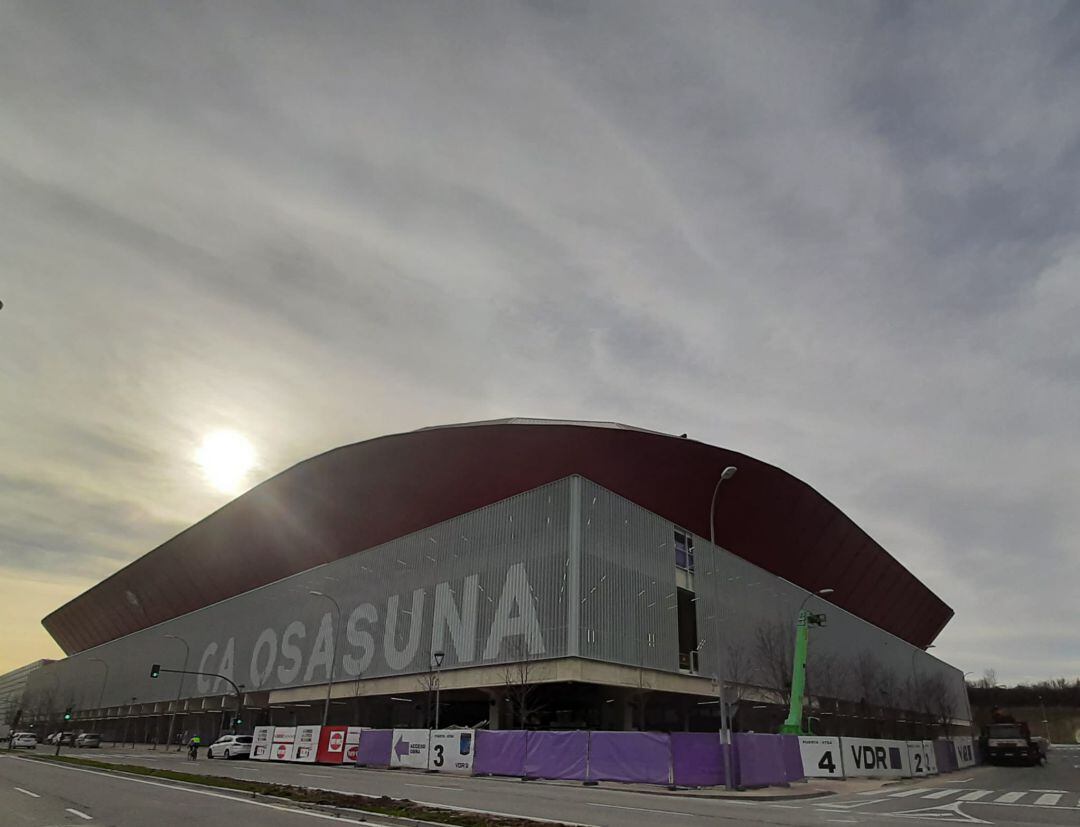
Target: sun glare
x: 226, y: 459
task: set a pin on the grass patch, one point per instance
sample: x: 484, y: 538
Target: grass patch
x: 381, y: 805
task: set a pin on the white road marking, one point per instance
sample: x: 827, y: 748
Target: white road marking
x: 641, y: 809
x: 305, y: 774
x: 785, y: 806
x: 1008, y: 798
x: 960, y: 780
x: 426, y: 786
x: 974, y: 795
x: 942, y: 793
x: 27, y: 792
x: 80, y: 814
x: 1048, y: 798
x: 906, y: 793
x: 292, y: 810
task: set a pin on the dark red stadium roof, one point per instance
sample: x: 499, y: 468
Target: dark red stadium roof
x: 362, y: 495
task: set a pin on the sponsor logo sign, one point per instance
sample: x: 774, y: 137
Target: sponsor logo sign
x: 451, y: 750
x: 261, y: 741
x: 965, y: 752
x: 874, y: 758
x: 821, y: 757
x: 307, y: 744
x: 282, y: 752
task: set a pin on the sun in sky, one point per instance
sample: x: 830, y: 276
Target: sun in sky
x: 226, y: 459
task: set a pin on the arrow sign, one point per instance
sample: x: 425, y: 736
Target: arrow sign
x: 401, y: 748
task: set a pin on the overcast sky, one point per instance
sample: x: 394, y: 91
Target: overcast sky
x: 841, y: 237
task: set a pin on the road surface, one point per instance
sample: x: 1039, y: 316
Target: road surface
x: 986, y: 795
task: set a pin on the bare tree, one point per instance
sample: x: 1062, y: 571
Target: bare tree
x: 518, y: 680
x: 828, y: 676
x: 941, y: 702
x: 989, y: 679
x: 427, y: 681
x: 774, y: 645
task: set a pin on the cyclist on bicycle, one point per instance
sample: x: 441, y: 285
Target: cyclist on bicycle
x: 193, y: 747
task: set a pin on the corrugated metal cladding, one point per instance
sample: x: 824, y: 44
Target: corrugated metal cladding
x: 365, y: 495
x: 493, y: 583
x: 629, y: 614
x: 567, y: 569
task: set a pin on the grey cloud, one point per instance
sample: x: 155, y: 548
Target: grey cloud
x: 841, y: 237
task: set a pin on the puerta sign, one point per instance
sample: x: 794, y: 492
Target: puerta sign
x: 386, y: 638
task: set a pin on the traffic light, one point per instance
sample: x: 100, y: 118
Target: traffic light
x: 155, y: 670
x: 67, y: 714
x: 237, y: 721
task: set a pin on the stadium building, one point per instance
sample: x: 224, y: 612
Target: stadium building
x: 542, y: 573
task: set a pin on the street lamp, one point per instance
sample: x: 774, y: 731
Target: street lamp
x: 1046, y: 721
x: 179, y: 690
x: 725, y: 723
x: 437, y: 657
x: 333, y: 652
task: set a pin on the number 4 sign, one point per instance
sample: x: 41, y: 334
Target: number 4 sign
x: 821, y: 757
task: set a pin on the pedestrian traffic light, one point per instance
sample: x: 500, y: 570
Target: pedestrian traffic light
x: 67, y: 714
x: 155, y: 670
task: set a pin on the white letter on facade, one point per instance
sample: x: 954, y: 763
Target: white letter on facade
x: 226, y: 666
x: 462, y: 626
x: 291, y: 651
x: 202, y: 681
x: 322, y: 649
x: 398, y: 659
x: 267, y: 639
x: 515, y: 593
x: 361, y: 638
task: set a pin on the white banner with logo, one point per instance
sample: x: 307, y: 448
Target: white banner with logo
x: 307, y: 744
x: 451, y: 750
x: 965, y: 752
x: 352, y: 744
x: 875, y: 758
x: 409, y: 748
x: 282, y: 752
x: 922, y: 759
x: 821, y: 757
x: 261, y: 740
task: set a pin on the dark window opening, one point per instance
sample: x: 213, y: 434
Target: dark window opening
x: 688, y: 633
x: 684, y: 550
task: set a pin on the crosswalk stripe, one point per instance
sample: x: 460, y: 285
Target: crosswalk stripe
x: 1008, y: 798
x: 906, y: 793
x: 942, y: 793
x: 1048, y: 798
x: 974, y: 795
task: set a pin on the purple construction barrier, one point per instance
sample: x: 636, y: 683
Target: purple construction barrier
x: 759, y: 759
x: 560, y: 755
x: 945, y: 753
x: 374, y: 750
x: 792, y: 758
x: 500, y: 752
x: 635, y: 757
x: 697, y: 759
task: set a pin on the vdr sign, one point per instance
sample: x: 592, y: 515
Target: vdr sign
x: 872, y: 758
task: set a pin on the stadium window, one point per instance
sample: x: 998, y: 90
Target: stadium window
x: 684, y: 550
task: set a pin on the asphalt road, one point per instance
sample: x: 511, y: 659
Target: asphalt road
x: 35, y: 794
x: 986, y: 795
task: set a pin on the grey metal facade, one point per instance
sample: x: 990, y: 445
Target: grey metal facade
x: 568, y: 569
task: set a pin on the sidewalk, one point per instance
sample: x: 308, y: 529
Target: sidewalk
x: 812, y: 788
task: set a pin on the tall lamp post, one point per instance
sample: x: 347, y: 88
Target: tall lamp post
x: 437, y: 657
x: 333, y: 652
x: 1046, y: 721
x: 725, y: 723
x: 179, y: 691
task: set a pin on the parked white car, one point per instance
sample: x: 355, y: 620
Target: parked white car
x: 230, y: 746
x: 27, y: 740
